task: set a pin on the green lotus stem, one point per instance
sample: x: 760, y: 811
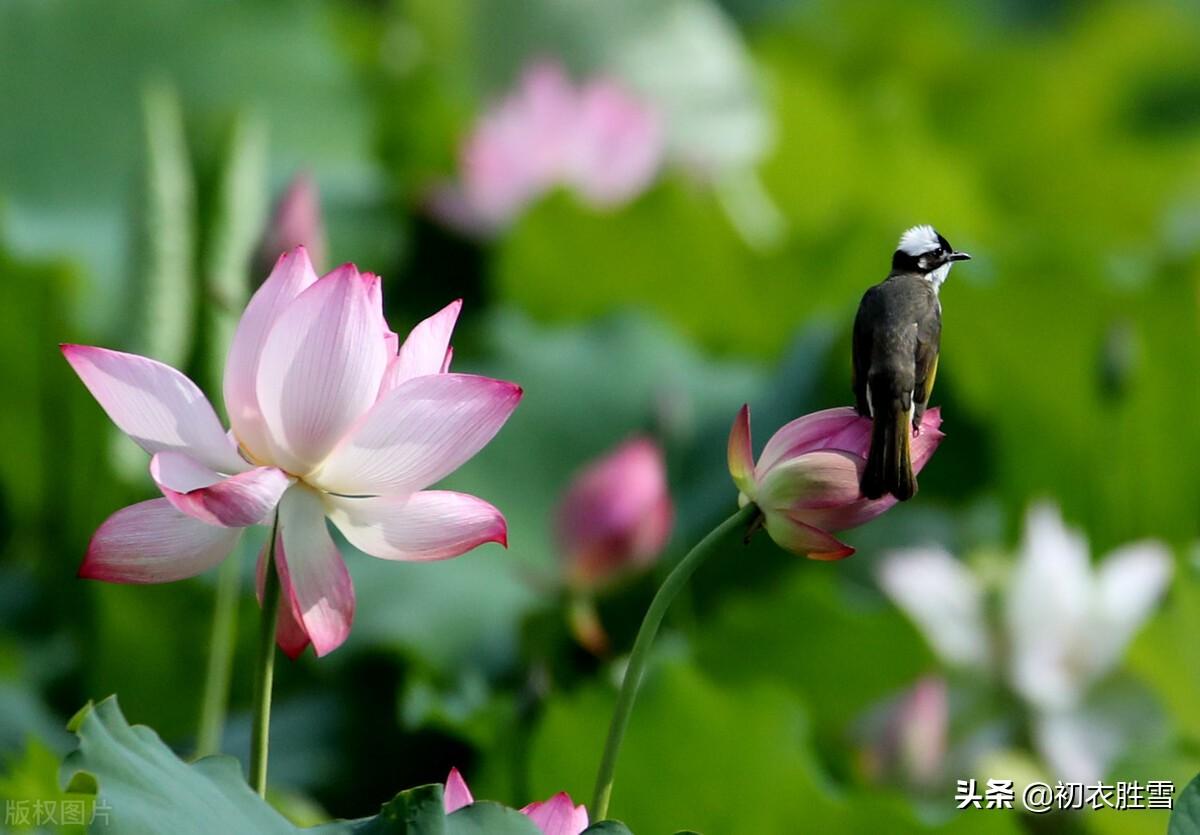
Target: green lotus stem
x: 265, y: 673
x: 222, y: 639
x: 640, y: 655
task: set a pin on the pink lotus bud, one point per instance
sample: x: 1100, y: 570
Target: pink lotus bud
x: 616, y: 515
x: 911, y: 745
x: 806, y: 480
x: 295, y: 222
x: 557, y: 816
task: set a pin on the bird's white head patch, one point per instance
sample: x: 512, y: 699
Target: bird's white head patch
x: 919, y: 240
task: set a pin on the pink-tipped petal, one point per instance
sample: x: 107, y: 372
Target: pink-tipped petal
x: 456, y: 794
x: 803, y: 539
x: 236, y: 502
x: 429, y: 525
x: 293, y: 274
x: 418, y: 433
x: 426, y: 350
x: 817, y: 431
x: 315, y: 581
x: 321, y: 366
x: 290, y: 636
x: 152, y: 542
x: 155, y: 405
x: 558, y: 815
x: 741, y: 454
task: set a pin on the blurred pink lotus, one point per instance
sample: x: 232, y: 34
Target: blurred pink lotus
x: 806, y: 480
x: 295, y: 222
x: 556, y: 816
x: 597, y: 139
x: 616, y: 515
x: 911, y: 747
x: 332, y: 417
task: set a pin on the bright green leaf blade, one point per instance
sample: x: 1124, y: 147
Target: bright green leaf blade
x: 166, y: 293
x: 233, y: 232
x: 149, y: 790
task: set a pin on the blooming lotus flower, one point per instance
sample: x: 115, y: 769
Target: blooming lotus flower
x: 806, y: 480
x: 596, y: 139
x: 556, y: 816
x: 1064, y: 626
x: 616, y: 515
x: 331, y: 418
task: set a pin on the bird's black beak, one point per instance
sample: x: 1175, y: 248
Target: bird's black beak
x: 959, y: 256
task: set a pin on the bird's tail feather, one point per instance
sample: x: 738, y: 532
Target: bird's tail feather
x: 889, y: 462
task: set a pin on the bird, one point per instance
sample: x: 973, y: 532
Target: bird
x: 897, y: 338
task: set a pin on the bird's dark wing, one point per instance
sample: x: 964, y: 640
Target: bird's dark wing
x: 929, y: 342
x: 864, y: 342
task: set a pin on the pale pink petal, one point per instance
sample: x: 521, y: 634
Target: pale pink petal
x: 293, y: 274
x: 429, y: 525
x: 152, y: 542
x: 816, y: 431
x: 391, y: 340
x: 814, y: 480
x: 558, y: 815
x: 289, y: 634
x: 518, y: 148
x: 617, y: 145
x: 794, y: 535
x: 321, y: 367
x: 456, y: 794
x: 155, y: 405
x: 314, y: 578
x: 237, y: 501
x: 418, y: 433
x: 741, y: 454
x: 426, y: 350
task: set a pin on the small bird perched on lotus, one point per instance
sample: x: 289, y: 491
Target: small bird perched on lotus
x: 897, y: 336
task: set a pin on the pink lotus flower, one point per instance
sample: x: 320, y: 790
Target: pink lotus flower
x: 806, y: 480
x: 556, y: 816
x: 295, y: 222
x: 331, y: 417
x: 616, y: 515
x: 597, y: 139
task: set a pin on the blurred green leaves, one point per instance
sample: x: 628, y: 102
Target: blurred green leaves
x: 742, y: 751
